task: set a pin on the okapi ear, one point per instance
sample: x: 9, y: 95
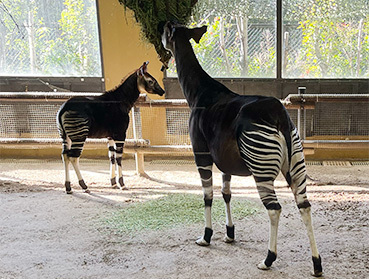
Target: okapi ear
x: 196, y: 33
x: 143, y: 69
x: 170, y: 28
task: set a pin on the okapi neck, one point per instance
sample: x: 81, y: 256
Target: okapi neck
x: 128, y: 91
x: 191, y: 76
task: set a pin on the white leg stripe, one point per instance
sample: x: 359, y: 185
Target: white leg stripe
x: 210, y: 167
x: 207, y: 180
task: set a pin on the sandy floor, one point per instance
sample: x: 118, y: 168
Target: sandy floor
x: 45, y: 233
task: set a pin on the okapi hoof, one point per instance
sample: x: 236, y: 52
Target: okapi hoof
x: 68, y: 188
x: 318, y: 270
x: 229, y: 237
x: 262, y: 266
x: 84, y: 186
x: 121, y: 182
x: 117, y: 186
x: 202, y: 242
x: 265, y: 265
x: 205, y: 240
x: 113, y: 183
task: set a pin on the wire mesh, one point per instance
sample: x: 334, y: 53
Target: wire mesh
x: 177, y: 126
x: 341, y: 119
x: 169, y: 126
x: 37, y: 119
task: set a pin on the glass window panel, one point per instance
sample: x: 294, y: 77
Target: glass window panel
x: 240, y: 41
x: 49, y: 38
x: 325, y: 39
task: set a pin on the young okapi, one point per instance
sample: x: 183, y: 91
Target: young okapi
x: 242, y: 135
x: 99, y: 117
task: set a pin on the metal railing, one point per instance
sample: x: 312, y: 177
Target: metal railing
x: 29, y: 119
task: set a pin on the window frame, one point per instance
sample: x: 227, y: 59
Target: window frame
x: 278, y: 86
x: 58, y: 84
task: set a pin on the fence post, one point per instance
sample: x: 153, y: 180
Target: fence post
x: 139, y: 157
x: 301, y: 90
x: 140, y: 163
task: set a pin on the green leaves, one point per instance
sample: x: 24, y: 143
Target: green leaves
x: 150, y: 13
x: 52, y: 38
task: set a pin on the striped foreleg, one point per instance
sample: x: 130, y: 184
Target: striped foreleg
x: 118, y: 155
x: 111, y: 153
x: 226, y: 192
x: 204, y: 166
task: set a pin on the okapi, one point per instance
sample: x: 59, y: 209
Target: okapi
x: 105, y: 116
x: 242, y: 135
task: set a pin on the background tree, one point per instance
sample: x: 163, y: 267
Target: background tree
x: 46, y: 37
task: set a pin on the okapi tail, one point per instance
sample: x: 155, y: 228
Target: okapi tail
x: 61, y: 130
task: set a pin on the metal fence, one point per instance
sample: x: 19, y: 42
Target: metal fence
x: 33, y: 115
x: 161, y: 126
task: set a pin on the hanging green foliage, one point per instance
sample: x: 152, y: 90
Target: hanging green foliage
x: 150, y: 13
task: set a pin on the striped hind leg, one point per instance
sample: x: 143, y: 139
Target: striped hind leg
x: 262, y: 148
x: 73, y: 156
x: 226, y: 192
x: 299, y: 189
x: 269, y: 199
x: 297, y: 180
x: 65, y: 149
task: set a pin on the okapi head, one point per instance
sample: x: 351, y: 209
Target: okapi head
x: 171, y: 31
x: 147, y: 83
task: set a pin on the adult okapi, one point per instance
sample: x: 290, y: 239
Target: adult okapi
x: 242, y: 135
x: 98, y: 117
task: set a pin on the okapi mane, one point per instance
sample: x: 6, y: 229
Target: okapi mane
x: 122, y: 81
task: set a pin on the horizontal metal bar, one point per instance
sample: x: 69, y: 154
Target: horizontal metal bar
x: 172, y: 103
x: 135, y: 142
x: 45, y: 95
x: 315, y: 98
x: 335, y: 141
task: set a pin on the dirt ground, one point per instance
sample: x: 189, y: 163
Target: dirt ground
x: 45, y: 233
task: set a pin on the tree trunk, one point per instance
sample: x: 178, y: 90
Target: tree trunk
x: 31, y: 42
x: 322, y: 63
x: 223, y: 47
x: 359, y: 39
x: 242, y: 23
x: 286, y: 49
